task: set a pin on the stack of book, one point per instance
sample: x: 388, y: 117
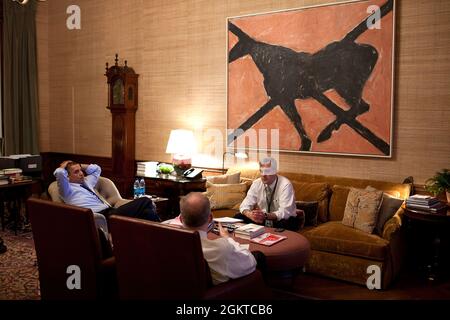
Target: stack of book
x: 146, y: 168
x: 249, y: 231
x: 425, y: 203
x: 14, y: 175
x: 3, y: 179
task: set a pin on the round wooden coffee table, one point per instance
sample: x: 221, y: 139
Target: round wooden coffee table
x: 287, y: 255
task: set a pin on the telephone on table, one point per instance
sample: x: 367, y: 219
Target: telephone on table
x: 193, y: 173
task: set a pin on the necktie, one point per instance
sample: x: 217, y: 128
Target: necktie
x: 268, y: 197
x: 268, y: 190
x: 99, y: 197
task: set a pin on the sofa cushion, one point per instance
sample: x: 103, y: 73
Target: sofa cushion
x: 225, y: 196
x: 310, y: 209
x: 248, y: 171
x: 338, y: 202
x: 361, y: 210
x: 337, y: 238
x: 225, y: 178
x: 389, y: 206
x: 315, y: 191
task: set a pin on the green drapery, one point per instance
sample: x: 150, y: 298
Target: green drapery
x: 20, y: 108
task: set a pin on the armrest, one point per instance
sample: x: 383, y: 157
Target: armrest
x: 393, y: 224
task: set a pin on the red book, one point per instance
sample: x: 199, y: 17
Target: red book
x: 268, y: 239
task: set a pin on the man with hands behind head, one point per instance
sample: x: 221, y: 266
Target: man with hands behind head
x: 77, y: 189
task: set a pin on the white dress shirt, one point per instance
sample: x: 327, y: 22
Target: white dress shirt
x: 77, y: 195
x: 283, y: 204
x: 227, y: 259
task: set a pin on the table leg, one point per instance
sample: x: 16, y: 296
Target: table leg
x: 2, y: 246
x: 2, y: 213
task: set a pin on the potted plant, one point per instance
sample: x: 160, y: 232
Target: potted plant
x: 439, y: 183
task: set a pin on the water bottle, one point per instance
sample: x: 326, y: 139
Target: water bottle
x: 142, y: 187
x: 136, y: 189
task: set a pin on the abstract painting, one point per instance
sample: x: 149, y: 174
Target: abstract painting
x: 322, y: 76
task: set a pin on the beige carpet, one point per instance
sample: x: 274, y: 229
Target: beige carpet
x: 18, y: 267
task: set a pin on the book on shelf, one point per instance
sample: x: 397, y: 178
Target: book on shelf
x: 436, y: 207
x: 4, y: 179
x: 20, y: 179
x: 268, y: 239
x: 420, y: 199
x: 249, y: 231
x: 146, y: 168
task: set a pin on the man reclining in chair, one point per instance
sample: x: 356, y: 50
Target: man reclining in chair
x: 77, y: 189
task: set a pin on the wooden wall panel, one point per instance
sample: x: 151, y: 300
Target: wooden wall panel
x: 179, y: 49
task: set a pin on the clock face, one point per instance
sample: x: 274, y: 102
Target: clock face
x: 118, y: 92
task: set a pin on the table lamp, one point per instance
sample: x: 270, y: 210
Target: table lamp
x: 240, y: 155
x: 181, y: 145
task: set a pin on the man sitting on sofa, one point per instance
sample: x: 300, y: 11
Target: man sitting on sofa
x: 226, y: 258
x: 77, y: 189
x: 270, y: 199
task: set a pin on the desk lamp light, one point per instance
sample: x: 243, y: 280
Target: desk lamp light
x: 181, y: 145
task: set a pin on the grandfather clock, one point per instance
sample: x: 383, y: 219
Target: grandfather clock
x: 123, y: 103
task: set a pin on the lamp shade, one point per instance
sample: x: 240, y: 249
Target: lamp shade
x: 181, y: 141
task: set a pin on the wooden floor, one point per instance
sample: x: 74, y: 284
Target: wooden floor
x: 409, y: 286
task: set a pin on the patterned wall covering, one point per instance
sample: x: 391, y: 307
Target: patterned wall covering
x: 179, y: 50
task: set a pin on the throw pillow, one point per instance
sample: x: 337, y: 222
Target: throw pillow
x: 225, y: 178
x: 225, y: 196
x: 338, y: 201
x: 361, y: 209
x: 313, y: 191
x: 389, y: 207
x: 311, y: 210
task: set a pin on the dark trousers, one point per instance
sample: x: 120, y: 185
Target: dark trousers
x: 261, y: 264
x: 142, y: 208
x: 292, y: 223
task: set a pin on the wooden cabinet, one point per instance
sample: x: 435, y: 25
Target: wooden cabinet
x: 428, y: 241
x: 171, y: 187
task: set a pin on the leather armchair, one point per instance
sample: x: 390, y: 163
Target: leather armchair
x: 160, y: 262
x: 63, y: 236
x: 106, y: 188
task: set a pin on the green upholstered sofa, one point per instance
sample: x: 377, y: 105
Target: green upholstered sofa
x: 337, y: 250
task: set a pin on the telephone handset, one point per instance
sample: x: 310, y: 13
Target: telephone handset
x: 192, y: 173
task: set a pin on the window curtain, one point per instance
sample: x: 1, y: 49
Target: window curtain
x: 20, y: 95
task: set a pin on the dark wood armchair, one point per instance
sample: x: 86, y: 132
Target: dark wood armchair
x: 64, y: 236
x: 159, y: 262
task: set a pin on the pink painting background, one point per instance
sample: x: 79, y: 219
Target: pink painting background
x: 310, y: 30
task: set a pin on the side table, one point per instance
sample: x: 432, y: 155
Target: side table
x: 14, y: 195
x: 428, y: 237
x: 172, y: 187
